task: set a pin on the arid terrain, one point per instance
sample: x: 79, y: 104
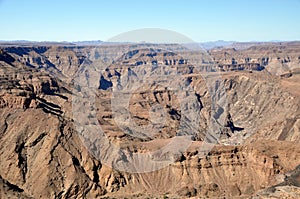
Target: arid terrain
x: 149, y: 121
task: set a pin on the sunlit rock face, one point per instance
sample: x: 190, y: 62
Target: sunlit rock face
x: 149, y: 100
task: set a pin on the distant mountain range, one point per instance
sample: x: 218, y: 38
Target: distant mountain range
x: 213, y: 44
x: 25, y: 42
x: 206, y: 45
x: 88, y: 43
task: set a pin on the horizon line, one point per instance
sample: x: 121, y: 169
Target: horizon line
x: 102, y: 41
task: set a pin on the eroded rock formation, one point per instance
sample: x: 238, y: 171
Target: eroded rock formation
x: 43, y: 154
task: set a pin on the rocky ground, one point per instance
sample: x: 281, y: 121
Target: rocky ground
x: 222, y: 123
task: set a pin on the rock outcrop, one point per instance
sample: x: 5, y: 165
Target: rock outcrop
x: 277, y: 58
x: 254, y: 149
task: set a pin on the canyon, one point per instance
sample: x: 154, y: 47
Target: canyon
x: 150, y: 121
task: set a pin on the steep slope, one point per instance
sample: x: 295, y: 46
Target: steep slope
x: 44, y: 155
x: 277, y: 58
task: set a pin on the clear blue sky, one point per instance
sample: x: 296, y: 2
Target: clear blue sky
x: 200, y: 20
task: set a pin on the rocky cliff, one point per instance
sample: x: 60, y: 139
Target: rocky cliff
x: 254, y: 150
x: 277, y: 58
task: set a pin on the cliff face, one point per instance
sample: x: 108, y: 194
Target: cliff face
x: 43, y: 154
x: 252, y: 100
x: 276, y: 58
x: 47, y: 159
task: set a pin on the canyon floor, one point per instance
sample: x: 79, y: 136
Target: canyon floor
x: 150, y: 121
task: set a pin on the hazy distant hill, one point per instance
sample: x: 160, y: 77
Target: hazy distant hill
x: 88, y: 43
x: 49, y: 43
x: 213, y: 44
x: 206, y: 45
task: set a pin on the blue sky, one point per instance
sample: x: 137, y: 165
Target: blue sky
x: 200, y: 20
